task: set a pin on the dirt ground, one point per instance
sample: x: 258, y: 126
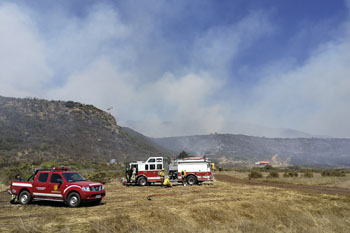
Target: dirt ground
x: 228, y: 205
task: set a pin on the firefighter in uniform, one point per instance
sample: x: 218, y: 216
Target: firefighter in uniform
x: 127, y: 174
x: 13, y: 197
x: 133, y: 176
x: 161, y: 174
x: 183, y: 177
x: 167, y: 182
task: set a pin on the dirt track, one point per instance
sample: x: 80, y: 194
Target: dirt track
x: 298, y: 187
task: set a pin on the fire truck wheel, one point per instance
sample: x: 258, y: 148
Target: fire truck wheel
x: 73, y: 200
x: 191, y: 180
x: 24, y: 197
x: 142, y: 181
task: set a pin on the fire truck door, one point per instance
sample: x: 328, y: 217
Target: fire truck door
x: 56, y: 186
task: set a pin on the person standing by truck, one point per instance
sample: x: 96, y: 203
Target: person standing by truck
x: 161, y: 174
x: 13, y: 197
x: 133, y: 176
x: 183, y: 177
x: 128, y: 173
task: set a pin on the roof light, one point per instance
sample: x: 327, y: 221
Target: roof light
x: 61, y: 168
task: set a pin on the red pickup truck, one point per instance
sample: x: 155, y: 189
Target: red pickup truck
x: 57, y: 184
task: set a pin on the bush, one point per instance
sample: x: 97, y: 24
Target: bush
x: 255, y: 174
x: 333, y: 173
x: 103, y: 177
x: 308, y: 174
x: 49, y: 164
x: 8, y: 174
x: 273, y: 174
x: 290, y: 174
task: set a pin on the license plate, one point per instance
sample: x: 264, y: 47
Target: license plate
x: 98, y: 196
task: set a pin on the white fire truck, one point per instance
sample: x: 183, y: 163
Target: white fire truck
x: 198, y: 170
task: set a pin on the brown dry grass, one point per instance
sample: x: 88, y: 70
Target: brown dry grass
x: 222, y: 207
x: 340, y: 182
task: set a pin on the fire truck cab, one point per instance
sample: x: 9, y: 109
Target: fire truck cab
x: 143, y: 173
x: 198, y: 170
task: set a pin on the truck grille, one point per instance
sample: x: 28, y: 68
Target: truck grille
x: 96, y: 188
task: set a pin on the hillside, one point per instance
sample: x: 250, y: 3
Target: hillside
x: 296, y: 151
x: 188, y: 128
x: 41, y: 130
x: 34, y: 129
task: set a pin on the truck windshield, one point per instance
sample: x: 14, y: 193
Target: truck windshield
x: 73, y: 177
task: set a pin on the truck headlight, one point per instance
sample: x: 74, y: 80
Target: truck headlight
x: 86, y: 189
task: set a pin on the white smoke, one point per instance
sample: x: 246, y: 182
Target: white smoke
x: 108, y: 60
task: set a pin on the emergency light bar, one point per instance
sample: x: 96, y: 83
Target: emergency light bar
x: 61, y: 168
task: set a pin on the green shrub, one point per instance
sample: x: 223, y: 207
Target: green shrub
x: 255, y: 174
x: 49, y: 164
x: 268, y: 167
x: 290, y: 174
x: 273, y: 174
x: 333, y: 173
x: 103, y: 176
x: 308, y: 174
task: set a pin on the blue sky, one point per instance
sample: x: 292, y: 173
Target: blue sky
x: 200, y: 65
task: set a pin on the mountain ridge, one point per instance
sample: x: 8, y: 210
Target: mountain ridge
x: 333, y: 152
x: 190, y: 128
x: 39, y: 129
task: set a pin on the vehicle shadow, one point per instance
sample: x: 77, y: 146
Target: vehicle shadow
x: 60, y: 204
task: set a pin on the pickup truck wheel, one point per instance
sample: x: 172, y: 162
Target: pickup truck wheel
x: 142, y: 181
x: 191, y: 180
x: 24, y: 197
x: 73, y: 200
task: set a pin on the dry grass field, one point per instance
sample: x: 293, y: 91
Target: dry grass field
x: 225, y: 206
x: 317, y: 179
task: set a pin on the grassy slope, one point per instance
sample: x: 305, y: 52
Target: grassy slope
x: 222, y: 207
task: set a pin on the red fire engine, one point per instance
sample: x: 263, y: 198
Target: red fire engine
x: 57, y: 184
x: 198, y: 170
